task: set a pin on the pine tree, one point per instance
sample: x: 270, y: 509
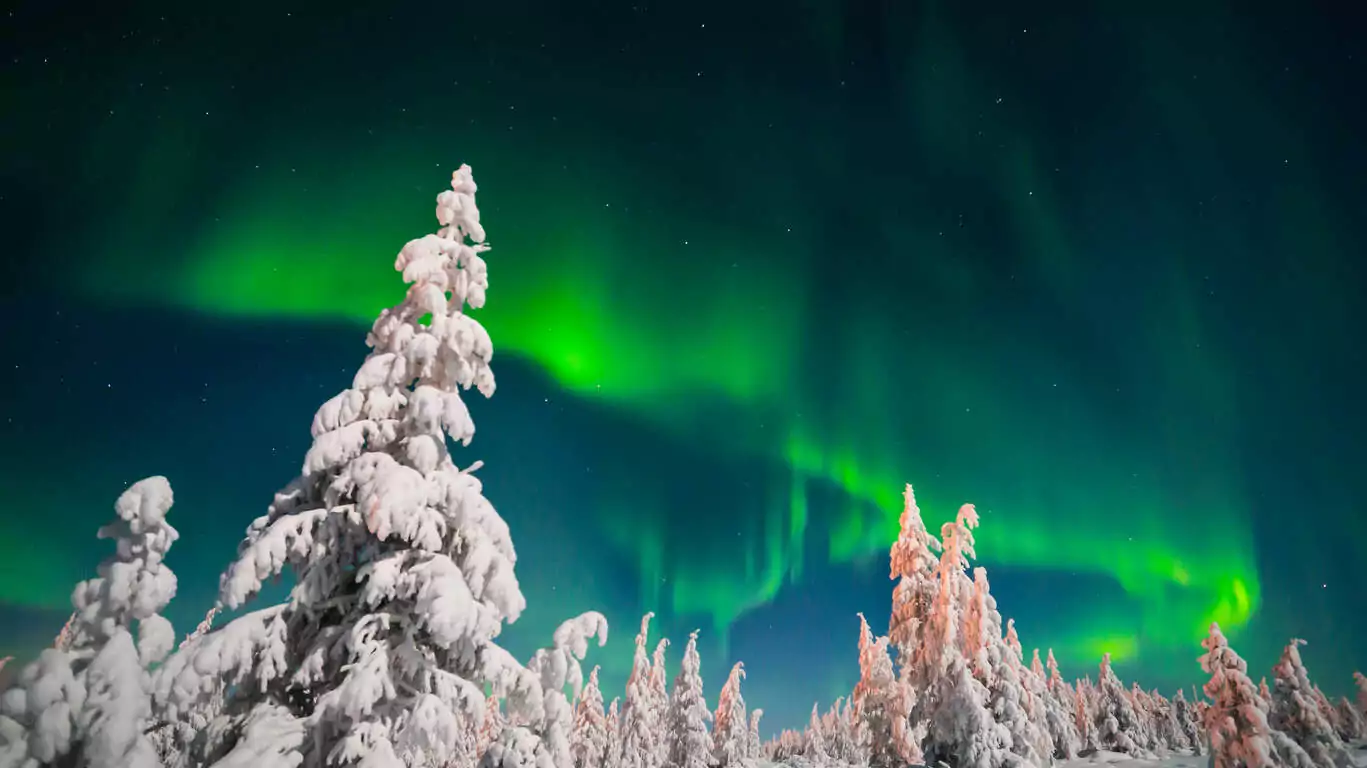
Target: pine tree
x: 659, y: 697
x: 690, y: 746
x: 814, y: 738
x: 730, y: 731
x: 1295, y: 712
x: 1187, y: 721
x: 613, y: 754
x: 754, y: 747
x: 1085, y: 718
x: 960, y: 729
x: 589, y: 736
x: 640, y: 729
x: 913, y: 564
x: 1010, y: 705
x: 883, y: 704
x: 1353, y: 726
x: 392, y: 546
x: 1058, y: 718
x: 1236, y: 721
x: 557, y: 667
x: 1116, y: 722
x: 88, y: 702
x: 1360, y: 680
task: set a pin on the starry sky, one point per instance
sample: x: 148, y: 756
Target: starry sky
x: 755, y: 266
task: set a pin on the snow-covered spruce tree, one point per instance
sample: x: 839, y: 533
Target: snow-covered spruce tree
x: 730, y: 731
x: 1009, y: 702
x: 1058, y: 719
x: 913, y: 563
x: 1184, y: 714
x: 1085, y: 718
x: 1295, y: 712
x: 589, y: 736
x: 1350, y: 721
x: 1265, y: 693
x: 555, y: 667
x: 690, y: 746
x: 754, y: 747
x: 883, y: 705
x: 1236, y: 720
x: 961, y: 731
x: 612, y: 757
x: 814, y: 738
x: 1360, y: 681
x: 981, y: 639
x: 88, y: 703
x: 659, y: 697
x: 1116, y: 722
x: 1326, y: 707
x: 1166, y: 725
x: 404, y: 572
x: 1143, y: 720
x: 640, y: 727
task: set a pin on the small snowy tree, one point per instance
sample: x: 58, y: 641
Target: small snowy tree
x: 730, y: 731
x: 589, y: 736
x: 88, y: 703
x: 814, y: 738
x: 557, y: 667
x: 754, y: 746
x: 690, y: 746
x: 613, y: 756
x: 659, y: 698
x: 1008, y: 700
x: 1187, y: 721
x: 1360, y: 680
x: 640, y: 728
x: 1295, y: 712
x: 883, y: 704
x: 1058, y: 719
x: 1116, y: 722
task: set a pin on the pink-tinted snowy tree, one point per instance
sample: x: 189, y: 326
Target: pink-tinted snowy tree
x: 1116, y: 722
x: 1236, y: 719
x: 88, y: 703
x: 589, y: 736
x: 1187, y: 721
x: 913, y: 563
x: 689, y: 744
x: 883, y: 705
x: 613, y: 754
x: 730, y: 731
x: 754, y: 747
x: 1295, y: 712
x: 640, y: 729
x: 659, y: 697
x: 1048, y: 689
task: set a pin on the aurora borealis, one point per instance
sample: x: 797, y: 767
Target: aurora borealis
x: 754, y: 268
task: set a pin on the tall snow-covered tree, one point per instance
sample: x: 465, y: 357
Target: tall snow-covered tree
x: 1236, y: 720
x: 659, y: 697
x: 88, y: 703
x: 640, y: 728
x: 1295, y: 712
x: 589, y: 736
x: 913, y: 563
x: 403, y: 570
x: 1360, y: 680
x: 960, y: 729
x: 730, y: 731
x: 690, y: 746
x: 814, y: 738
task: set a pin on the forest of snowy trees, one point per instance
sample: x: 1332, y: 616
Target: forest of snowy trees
x: 384, y: 655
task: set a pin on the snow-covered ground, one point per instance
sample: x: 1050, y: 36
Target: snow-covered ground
x: 1118, y: 760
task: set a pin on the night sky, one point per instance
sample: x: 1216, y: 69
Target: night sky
x: 755, y: 266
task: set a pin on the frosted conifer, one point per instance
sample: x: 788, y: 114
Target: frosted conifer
x: 589, y: 736
x: 754, y: 747
x: 613, y: 756
x: 659, y: 698
x: 640, y: 730
x: 913, y: 563
x: 1236, y: 721
x: 1058, y: 718
x: 1360, y: 680
x: 1008, y: 700
x: 1295, y: 712
x: 1116, y: 721
x: 88, y: 703
x: 1187, y: 721
x: 557, y: 667
x: 690, y: 746
x: 403, y: 571
x: 1350, y: 721
x: 730, y: 731
x: 883, y: 704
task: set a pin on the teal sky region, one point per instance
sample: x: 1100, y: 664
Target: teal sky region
x: 1099, y: 272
